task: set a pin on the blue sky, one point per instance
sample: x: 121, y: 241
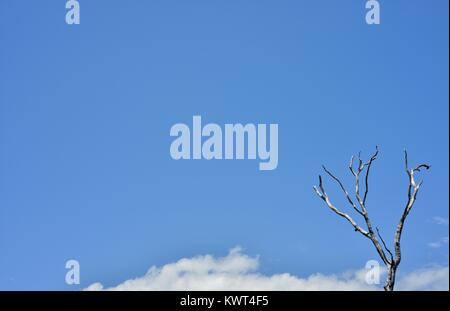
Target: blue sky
x: 85, y: 114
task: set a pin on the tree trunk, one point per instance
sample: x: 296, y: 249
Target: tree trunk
x: 390, y: 280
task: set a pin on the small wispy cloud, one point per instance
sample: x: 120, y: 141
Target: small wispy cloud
x: 440, y: 221
x: 441, y: 242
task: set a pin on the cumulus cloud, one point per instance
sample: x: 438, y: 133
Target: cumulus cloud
x: 432, y: 278
x: 238, y: 271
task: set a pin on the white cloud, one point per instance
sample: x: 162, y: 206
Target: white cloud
x: 237, y: 271
x: 440, y: 220
x: 437, y: 244
x: 432, y: 278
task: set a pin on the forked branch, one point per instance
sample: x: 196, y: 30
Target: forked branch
x: 389, y: 259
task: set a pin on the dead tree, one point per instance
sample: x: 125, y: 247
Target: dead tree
x: 390, y: 259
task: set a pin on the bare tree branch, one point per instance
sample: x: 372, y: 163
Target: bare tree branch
x: 369, y: 165
x: 322, y: 194
x: 426, y: 166
x: 413, y: 190
x: 362, y: 201
x: 382, y: 249
x: 385, y: 247
x: 343, y: 189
